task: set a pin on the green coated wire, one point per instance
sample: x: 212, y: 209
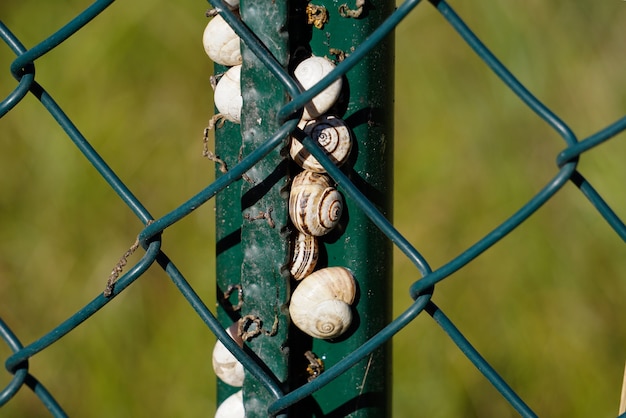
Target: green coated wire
x: 479, y: 361
x: 58, y: 37
x: 23, y: 69
x: 353, y: 358
x: 244, y: 356
x: 15, y: 345
x: 601, y: 206
x: 221, y: 183
x: 299, y: 101
x: 573, y: 151
x: 257, y: 47
x: 45, y: 396
x: 14, y: 361
x: 26, y: 78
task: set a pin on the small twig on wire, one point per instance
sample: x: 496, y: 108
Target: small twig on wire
x: 117, y: 270
x: 119, y: 267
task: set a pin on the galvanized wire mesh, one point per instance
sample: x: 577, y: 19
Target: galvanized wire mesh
x: 567, y: 161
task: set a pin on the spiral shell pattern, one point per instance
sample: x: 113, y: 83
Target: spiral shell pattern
x: 328, y: 319
x: 331, y: 133
x: 305, y: 254
x: 314, y: 206
x: 320, y: 305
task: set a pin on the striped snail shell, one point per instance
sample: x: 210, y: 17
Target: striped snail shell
x: 308, y: 73
x: 305, y: 253
x: 227, y: 95
x: 314, y: 206
x: 232, y: 407
x: 221, y: 43
x: 320, y: 305
x: 225, y: 364
x: 331, y: 133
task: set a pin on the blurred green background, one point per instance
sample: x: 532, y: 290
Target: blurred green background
x: 544, y: 306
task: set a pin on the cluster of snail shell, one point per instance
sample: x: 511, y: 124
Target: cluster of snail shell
x: 223, y: 46
x: 320, y: 305
x: 230, y: 371
x: 315, y: 206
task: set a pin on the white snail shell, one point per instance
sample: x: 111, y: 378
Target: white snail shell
x: 305, y: 254
x: 308, y: 73
x: 232, y: 407
x: 221, y: 43
x: 331, y: 133
x: 225, y: 364
x: 314, y: 206
x: 227, y: 95
x: 320, y: 305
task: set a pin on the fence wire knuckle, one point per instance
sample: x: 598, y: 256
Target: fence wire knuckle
x: 421, y: 291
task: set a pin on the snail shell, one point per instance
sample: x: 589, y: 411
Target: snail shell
x: 308, y: 73
x: 314, y: 206
x: 232, y: 407
x: 331, y: 133
x: 227, y: 95
x: 225, y: 364
x: 328, y: 283
x: 326, y: 320
x: 305, y: 253
x: 221, y: 43
x: 320, y: 305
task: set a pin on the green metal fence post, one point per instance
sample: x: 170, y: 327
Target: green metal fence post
x: 253, y: 227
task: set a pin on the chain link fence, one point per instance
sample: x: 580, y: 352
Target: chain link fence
x: 568, y: 170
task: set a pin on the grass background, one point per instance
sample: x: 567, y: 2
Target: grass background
x: 544, y: 306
